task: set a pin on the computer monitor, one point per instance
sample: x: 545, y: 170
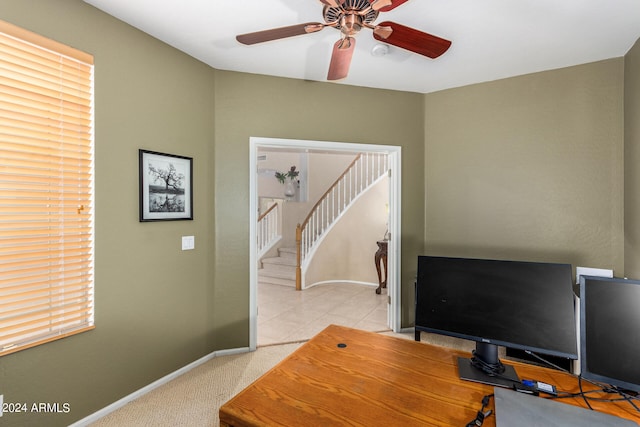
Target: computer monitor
x: 610, y: 331
x: 523, y: 305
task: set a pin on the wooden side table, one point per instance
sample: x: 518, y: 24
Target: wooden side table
x: 381, y: 255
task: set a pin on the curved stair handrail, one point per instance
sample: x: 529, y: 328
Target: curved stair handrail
x: 363, y: 171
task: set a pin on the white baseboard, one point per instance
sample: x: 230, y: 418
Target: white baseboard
x: 144, y: 390
x: 347, y: 282
x: 407, y: 330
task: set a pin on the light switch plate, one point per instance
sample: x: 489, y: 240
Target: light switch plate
x: 188, y: 243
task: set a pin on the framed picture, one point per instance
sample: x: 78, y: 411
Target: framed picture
x: 166, y: 189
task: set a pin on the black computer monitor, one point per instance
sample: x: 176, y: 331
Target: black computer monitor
x: 610, y: 331
x: 522, y: 305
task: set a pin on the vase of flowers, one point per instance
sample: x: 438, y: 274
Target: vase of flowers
x: 288, y: 178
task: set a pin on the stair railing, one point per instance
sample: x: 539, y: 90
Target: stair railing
x: 268, y: 228
x: 363, y: 171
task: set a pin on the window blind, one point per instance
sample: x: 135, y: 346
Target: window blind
x: 46, y: 190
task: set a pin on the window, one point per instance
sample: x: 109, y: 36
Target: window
x: 46, y: 190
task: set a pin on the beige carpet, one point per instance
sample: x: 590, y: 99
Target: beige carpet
x: 193, y: 399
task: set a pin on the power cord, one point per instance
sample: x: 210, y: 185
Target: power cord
x: 491, y: 369
x: 583, y: 393
x: 482, y: 414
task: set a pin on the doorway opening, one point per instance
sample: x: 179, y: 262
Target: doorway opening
x: 393, y: 251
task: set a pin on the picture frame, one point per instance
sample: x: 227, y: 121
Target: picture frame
x: 166, y: 186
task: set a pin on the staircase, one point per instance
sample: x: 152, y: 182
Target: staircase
x: 365, y: 170
x: 287, y: 268
x: 280, y: 270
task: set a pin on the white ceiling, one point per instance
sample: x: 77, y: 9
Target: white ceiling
x: 491, y: 39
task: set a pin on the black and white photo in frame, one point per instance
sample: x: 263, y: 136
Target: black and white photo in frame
x: 166, y: 190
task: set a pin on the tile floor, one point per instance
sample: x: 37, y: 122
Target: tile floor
x: 287, y: 315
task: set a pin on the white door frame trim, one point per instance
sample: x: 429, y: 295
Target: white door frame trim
x: 393, y: 279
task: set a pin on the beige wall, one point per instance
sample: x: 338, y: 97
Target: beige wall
x: 516, y: 164
x: 154, y: 302
x: 529, y: 168
x: 632, y: 162
x: 251, y: 105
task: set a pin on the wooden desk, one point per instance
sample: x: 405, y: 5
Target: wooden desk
x: 376, y: 380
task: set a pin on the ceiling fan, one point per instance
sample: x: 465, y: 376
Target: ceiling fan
x: 350, y: 16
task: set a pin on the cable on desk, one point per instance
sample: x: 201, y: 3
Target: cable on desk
x: 491, y: 369
x: 482, y: 414
x: 606, y: 389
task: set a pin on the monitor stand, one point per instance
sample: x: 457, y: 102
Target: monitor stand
x: 469, y: 372
x: 486, y: 354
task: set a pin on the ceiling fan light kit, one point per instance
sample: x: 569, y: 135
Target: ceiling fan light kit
x: 349, y: 17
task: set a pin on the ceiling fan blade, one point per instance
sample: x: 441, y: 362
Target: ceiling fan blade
x: 341, y: 58
x: 411, y: 39
x: 386, y: 5
x: 280, y: 33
